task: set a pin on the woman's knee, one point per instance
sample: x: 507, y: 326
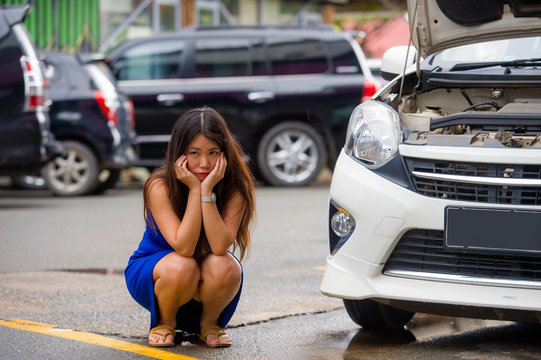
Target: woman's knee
x: 177, y: 269
x: 224, y: 267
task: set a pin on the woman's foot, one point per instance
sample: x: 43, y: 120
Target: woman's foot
x: 162, y: 336
x: 215, y: 336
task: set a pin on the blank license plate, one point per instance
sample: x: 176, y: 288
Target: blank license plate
x: 507, y: 230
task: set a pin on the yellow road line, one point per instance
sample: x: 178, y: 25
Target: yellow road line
x: 94, y: 339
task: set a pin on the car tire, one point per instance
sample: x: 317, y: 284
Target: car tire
x: 108, y: 182
x: 374, y: 316
x: 74, y: 173
x: 291, y: 154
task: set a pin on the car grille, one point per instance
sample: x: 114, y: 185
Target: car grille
x: 424, y: 252
x: 477, y: 182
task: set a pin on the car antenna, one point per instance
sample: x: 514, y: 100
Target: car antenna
x: 412, y: 24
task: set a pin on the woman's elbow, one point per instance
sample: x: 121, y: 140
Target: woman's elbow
x: 219, y: 252
x: 221, y: 249
x: 185, y: 252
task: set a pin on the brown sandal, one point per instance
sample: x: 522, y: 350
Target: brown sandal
x: 171, y: 331
x: 214, y: 330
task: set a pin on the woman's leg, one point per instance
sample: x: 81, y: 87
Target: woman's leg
x: 220, y: 282
x: 175, y: 283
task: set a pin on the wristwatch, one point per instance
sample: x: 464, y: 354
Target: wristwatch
x: 211, y: 198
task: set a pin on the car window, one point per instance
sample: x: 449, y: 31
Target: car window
x: 57, y: 75
x: 151, y: 61
x: 344, y: 60
x: 499, y: 50
x: 220, y: 58
x: 259, y: 58
x: 300, y: 56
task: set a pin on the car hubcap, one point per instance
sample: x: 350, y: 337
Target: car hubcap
x: 292, y: 156
x: 70, y: 172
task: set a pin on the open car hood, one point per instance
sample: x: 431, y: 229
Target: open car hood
x: 441, y: 24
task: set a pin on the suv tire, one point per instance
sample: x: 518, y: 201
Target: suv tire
x: 374, y: 316
x: 76, y: 172
x: 291, y: 153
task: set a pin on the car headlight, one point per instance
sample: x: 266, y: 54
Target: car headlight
x: 373, y: 134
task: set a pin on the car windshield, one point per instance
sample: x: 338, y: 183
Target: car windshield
x: 490, y: 51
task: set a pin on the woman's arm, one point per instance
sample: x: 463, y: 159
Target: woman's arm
x: 181, y: 235
x: 221, y: 230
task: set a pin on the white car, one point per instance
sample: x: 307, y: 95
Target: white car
x: 435, y: 201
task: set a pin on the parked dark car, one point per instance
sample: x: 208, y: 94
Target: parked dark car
x: 286, y: 93
x: 26, y: 142
x: 92, y: 119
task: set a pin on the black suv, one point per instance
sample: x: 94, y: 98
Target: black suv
x: 286, y: 93
x: 26, y: 142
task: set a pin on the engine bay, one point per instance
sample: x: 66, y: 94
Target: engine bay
x: 477, y: 116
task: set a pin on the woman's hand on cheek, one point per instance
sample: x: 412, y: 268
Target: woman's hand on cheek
x: 215, y: 175
x: 183, y: 174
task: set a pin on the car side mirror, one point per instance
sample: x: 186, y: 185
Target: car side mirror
x: 392, y: 62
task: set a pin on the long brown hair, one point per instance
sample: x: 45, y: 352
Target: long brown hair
x: 237, y: 178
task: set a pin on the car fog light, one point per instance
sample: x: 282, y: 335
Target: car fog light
x: 341, y: 223
x: 341, y: 226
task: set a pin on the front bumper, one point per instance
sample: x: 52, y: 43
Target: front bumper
x: 383, y: 212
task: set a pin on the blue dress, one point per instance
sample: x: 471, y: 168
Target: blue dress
x: 140, y: 284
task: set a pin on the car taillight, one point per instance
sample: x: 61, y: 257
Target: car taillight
x: 131, y: 113
x: 33, y: 85
x: 369, y: 89
x: 107, y: 109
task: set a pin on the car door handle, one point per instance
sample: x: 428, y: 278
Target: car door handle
x: 260, y: 96
x: 170, y: 99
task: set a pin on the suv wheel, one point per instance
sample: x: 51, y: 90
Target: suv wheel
x: 291, y: 153
x: 374, y: 316
x: 75, y: 172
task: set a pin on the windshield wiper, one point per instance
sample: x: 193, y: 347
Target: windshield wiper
x: 511, y: 63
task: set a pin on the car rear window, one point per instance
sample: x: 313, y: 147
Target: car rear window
x: 151, y: 61
x: 343, y: 57
x: 221, y: 58
x: 299, y: 56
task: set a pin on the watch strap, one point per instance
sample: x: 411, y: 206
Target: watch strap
x: 211, y: 198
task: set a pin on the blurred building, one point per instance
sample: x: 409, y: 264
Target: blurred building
x: 96, y: 25
x: 379, y: 35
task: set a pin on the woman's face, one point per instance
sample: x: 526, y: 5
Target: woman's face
x: 202, y: 154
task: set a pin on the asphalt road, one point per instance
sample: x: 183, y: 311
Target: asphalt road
x: 61, y: 263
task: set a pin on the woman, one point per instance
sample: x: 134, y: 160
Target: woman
x: 197, y: 205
